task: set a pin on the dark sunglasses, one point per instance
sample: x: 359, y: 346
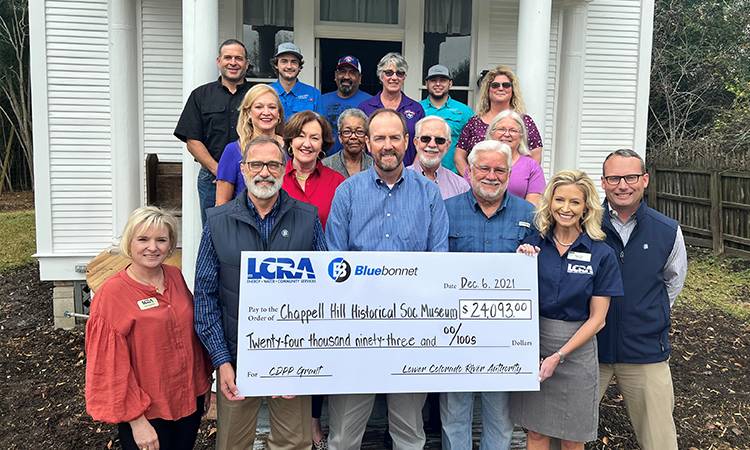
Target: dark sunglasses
x: 438, y: 140
x: 398, y: 73
x: 504, y: 85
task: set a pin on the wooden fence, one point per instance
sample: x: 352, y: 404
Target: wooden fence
x: 713, y: 207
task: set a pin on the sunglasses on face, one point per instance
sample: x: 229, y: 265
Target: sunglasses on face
x: 398, y: 73
x: 498, y: 85
x: 438, y: 139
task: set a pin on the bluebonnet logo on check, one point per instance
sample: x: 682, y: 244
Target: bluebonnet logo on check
x: 339, y: 270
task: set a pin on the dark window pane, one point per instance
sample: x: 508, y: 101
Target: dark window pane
x: 363, y: 11
x: 447, y: 37
x: 266, y: 24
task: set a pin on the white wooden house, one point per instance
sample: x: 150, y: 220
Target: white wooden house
x: 109, y: 78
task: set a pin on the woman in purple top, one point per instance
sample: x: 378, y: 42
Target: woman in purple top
x: 526, y: 175
x: 500, y: 90
x: 391, y: 71
x: 261, y: 113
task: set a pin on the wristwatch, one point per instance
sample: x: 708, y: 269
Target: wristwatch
x: 561, y: 355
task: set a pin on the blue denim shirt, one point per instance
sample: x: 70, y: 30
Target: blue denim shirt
x: 471, y: 231
x: 367, y: 215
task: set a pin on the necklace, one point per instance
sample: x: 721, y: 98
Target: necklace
x: 158, y: 286
x: 301, y: 177
x: 562, y: 243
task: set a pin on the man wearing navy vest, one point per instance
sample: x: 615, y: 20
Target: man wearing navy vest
x: 634, y: 344
x: 263, y: 218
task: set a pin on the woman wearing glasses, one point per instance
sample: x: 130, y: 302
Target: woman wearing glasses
x: 352, y: 126
x: 578, y: 274
x: 526, y: 177
x: 261, y: 114
x: 307, y: 138
x: 500, y: 90
x: 391, y: 71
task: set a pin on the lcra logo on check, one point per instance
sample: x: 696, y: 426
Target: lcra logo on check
x: 285, y: 270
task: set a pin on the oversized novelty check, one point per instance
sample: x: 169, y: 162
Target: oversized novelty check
x: 369, y: 322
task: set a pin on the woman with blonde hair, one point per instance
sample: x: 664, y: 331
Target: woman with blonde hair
x: 578, y: 274
x: 261, y: 113
x: 146, y: 370
x: 500, y: 90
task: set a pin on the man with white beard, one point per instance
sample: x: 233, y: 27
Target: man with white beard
x: 262, y: 218
x: 485, y: 219
x: 432, y: 140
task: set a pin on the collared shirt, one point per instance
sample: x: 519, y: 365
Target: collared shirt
x: 526, y: 177
x: 448, y: 182
x: 136, y: 338
x: 472, y: 231
x: 367, y: 215
x: 207, y: 310
x: 457, y: 115
x: 337, y: 163
x: 675, y: 269
x: 319, y: 187
x: 301, y: 97
x: 411, y: 110
x: 210, y: 116
x: 567, y: 282
x: 332, y: 105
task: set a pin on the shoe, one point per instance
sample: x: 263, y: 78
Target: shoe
x: 322, y: 445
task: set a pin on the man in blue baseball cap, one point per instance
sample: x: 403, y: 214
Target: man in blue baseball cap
x: 348, y: 75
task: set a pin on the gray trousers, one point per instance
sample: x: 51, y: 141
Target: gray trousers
x: 348, y: 415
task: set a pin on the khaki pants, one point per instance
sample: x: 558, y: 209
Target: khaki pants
x: 348, y: 415
x: 649, y: 398
x: 290, y: 423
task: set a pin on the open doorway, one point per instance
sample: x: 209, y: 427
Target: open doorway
x: 368, y: 53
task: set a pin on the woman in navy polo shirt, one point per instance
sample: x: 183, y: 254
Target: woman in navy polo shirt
x: 578, y: 273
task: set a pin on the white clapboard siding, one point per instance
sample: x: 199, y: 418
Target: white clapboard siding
x: 503, y: 43
x: 610, y: 81
x: 161, y: 53
x: 80, y: 163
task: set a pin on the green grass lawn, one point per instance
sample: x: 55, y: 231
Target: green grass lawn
x: 17, y: 239
x: 717, y: 283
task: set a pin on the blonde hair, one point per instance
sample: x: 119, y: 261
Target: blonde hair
x: 245, y: 123
x: 144, y: 218
x: 516, y: 101
x: 593, y: 212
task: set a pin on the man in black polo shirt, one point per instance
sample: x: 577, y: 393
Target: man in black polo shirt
x: 209, y: 120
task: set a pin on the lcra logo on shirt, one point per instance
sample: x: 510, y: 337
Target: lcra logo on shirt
x: 582, y: 269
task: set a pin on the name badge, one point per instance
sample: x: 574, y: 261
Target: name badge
x: 524, y: 224
x: 579, y: 256
x: 148, y: 303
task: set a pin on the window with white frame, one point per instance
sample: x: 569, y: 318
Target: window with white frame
x: 265, y: 25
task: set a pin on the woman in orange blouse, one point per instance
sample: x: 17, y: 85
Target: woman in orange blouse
x: 146, y: 369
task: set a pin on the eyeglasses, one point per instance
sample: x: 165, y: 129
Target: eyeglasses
x: 398, y: 73
x: 348, y: 133
x: 498, y: 85
x: 485, y: 170
x: 438, y: 139
x: 510, y: 131
x: 614, y: 180
x: 257, y: 166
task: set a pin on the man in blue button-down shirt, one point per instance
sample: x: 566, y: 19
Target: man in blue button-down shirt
x: 295, y: 95
x: 484, y: 219
x: 384, y: 208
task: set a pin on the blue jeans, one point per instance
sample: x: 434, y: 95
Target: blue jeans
x: 456, y: 412
x: 206, y: 191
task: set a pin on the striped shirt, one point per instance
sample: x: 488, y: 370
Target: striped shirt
x: 367, y: 215
x: 208, y: 323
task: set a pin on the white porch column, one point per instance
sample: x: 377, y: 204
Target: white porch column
x: 200, y: 42
x: 126, y: 149
x: 532, y: 58
x: 570, y: 90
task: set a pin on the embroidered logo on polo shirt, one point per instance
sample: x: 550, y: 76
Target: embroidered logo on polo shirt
x: 409, y: 114
x: 303, y: 96
x: 645, y: 246
x: 285, y: 233
x: 580, y: 269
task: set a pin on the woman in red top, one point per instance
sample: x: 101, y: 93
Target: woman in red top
x: 146, y: 369
x: 307, y: 137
